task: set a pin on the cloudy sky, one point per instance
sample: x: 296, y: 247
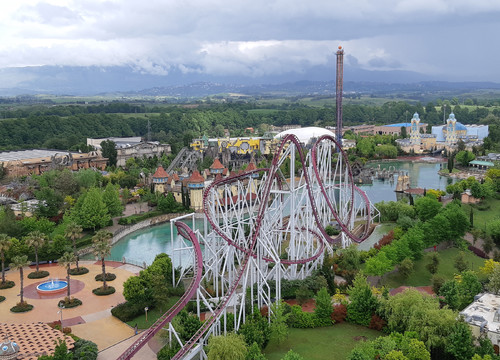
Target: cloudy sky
x: 447, y: 39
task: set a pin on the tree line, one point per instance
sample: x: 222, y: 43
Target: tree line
x: 67, y: 127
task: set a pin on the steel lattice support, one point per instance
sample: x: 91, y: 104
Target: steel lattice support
x: 267, y: 225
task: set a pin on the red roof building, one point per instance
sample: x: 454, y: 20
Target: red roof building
x: 160, y: 173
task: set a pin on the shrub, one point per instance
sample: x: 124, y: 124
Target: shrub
x: 109, y: 277
x: 7, y: 285
x: 66, y: 330
x: 21, y: 307
x: 339, y: 313
x: 101, y: 291
x: 301, y: 319
x: 437, y: 283
x: 2, y: 298
x: 377, y: 323
x: 303, y: 294
x: 84, y: 350
x: 134, y: 219
x: 38, y: 275
x: 69, y: 303
x: 80, y: 271
x: 168, y: 351
x: 386, y: 240
x: 127, y: 311
x: 478, y: 252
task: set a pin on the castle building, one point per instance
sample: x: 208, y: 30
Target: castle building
x: 160, y: 179
x: 196, y: 185
x: 415, y: 137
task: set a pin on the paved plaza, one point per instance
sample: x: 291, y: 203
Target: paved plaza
x: 92, y: 320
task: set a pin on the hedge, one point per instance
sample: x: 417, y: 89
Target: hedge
x: 134, y: 219
x: 127, y: 311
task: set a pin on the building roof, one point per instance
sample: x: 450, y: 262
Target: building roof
x: 160, y: 173
x: 481, y: 163
x: 306, y: 134
x: 34, y: 339
x: 29, y: 154
x: 251, y: 166
x: 399, y: 125
x: 482, y: 312
x: 460, y: 126
x: 216, y: 164
x: 196, y: 178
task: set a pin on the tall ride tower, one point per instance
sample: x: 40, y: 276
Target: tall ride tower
x: 338, y: 90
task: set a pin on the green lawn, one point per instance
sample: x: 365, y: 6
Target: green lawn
x: 153, y: 315
x: 422, y: 277
x: 481, y: 218
x: 332, y: 342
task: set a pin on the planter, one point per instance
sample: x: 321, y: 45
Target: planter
x: 81, y: 271
x: 100, y: 291
x: 20, y: 308
x: 7, y: 285
x: 74, y: 302
x: 109, y: 277
x: 38, y: 274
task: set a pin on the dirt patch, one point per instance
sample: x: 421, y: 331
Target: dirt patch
x: 360, y: 338
x: 308, y: 306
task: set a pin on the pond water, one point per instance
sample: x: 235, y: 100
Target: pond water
x: 143, y: 245
x: 422, y: 175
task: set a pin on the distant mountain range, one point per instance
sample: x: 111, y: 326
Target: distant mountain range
x: 86, y: 81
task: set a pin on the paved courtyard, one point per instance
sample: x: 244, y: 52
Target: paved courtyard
x: 92, y: 320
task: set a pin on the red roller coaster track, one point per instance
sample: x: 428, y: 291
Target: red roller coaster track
x: 249, y: 252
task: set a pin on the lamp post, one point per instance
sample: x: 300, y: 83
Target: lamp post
x: 61, y: 312
x: 146, y: 311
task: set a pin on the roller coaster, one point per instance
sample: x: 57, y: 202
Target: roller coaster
x: 262, y: 226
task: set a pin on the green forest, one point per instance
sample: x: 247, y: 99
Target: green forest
x: 66, y: 127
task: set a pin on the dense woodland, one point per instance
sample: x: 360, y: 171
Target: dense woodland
x: 67, y: 126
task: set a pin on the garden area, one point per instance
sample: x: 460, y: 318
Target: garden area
x: 421, y: 275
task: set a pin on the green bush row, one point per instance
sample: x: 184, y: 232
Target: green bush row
x: 134, y: 219
x: 127, y: 311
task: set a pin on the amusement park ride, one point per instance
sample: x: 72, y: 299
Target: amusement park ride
x: 260, y: 227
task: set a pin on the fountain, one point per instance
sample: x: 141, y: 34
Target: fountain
x: 52, y: 286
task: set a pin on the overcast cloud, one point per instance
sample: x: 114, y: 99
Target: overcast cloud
x: 447, y: 39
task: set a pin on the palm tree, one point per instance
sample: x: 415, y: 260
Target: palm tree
x: 67, y: 260
x: 19, y: 262
x: 36, y: 239
x: 5, y: 244
x: 102, y: 248
x: 73, y: 232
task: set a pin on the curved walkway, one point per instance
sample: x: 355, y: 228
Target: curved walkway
x: 92, y: 320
